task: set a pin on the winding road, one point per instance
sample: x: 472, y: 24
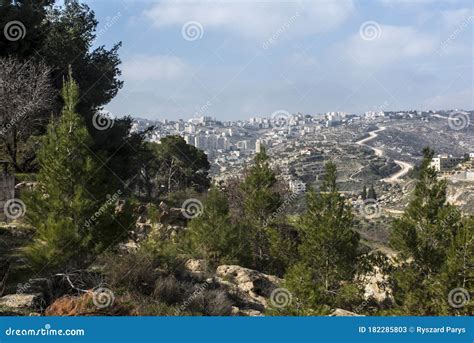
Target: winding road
x: 405, y: 166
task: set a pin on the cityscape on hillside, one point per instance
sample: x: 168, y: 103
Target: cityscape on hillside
x: 267, y: 158
x: 291, y: 137
x: 378, y: 149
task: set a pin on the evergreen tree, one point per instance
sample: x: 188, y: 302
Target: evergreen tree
x: 261, y: 201
x: 364, y: 193
x: 371, y: 194
x: 431, y: 240
x: 328, y: 250
x: 62, y: 35
x: 73, y: 208
x: 212, y: 236
x: 181, y: 166
x: 32, y: 15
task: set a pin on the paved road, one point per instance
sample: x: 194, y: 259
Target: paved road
x: 405, y: 166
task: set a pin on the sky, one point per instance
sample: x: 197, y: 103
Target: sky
x: 243, y: 58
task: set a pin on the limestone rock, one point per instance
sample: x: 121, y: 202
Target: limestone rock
x: 195, y: 266
x: 250, y: 287
x: 21, y: 304
x: 376, y: 287
x: 339, y: 312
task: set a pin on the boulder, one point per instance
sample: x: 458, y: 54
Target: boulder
x: 339, y: 312
x: 85, y: 305
x: 376, y: 287
x: 245, y: 313
x: 21, y: 304
x: 249, y: 287
x: 196, y: 266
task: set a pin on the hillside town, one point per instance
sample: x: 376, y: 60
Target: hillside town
x: 301, y: 143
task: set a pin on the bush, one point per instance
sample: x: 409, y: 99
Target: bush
x: 133, y: 272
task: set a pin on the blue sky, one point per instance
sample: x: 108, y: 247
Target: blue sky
x: 238, y: 59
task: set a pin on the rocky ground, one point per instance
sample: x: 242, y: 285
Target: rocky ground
x: 223, y: 290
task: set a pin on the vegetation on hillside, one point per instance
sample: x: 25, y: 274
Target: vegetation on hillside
x: 96, y: 188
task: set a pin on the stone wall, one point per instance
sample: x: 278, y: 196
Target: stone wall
x: 7, y: 192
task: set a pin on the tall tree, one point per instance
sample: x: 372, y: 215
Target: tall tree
x: 73, y: 208
x: 180, y: 166
x: 429, y: 237
x: 25, y: 26
x: 63, y: 36
x: 25, y: 98
x: 261, y: 200
x: 328, y: 250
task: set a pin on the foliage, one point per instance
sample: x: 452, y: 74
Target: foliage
x: 328, y: 252
x: 32, y: 14
x: 73, y: 209
x: 213, y: 237
x: 435, y: 245
x: 63, y: 36
x: 260, y: 201
x: 180, y: 166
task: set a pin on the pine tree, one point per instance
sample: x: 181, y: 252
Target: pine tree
x: 73, y: 209
x: 261, y: 201
x: 431, y: 239
x: 458, y: 271
x: 364, y: 193
x: 328, y: 250
x: 212, y: 236
x: 371, y: 193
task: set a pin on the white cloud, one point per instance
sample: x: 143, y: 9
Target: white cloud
x: 455, y: 18
x: 154, y: 68
x: 392, y: 43
x: 259, y: 19
x: 408, y: 3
